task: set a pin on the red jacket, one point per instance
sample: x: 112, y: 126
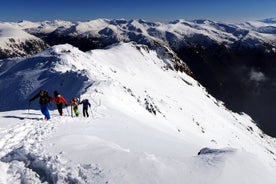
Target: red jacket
x: 59, y: 99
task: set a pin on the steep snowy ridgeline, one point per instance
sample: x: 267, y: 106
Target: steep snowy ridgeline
x: 147, y: 124
x: 16, y: 42
x: 23, y: 78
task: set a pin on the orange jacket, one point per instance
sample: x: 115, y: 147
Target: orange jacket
x: 59, y: 99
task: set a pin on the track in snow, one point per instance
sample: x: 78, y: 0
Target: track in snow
x: 23, y: 159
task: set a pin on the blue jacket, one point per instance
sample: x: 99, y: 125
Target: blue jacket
x: 85, y: 103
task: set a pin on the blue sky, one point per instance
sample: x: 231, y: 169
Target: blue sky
x: 152, y: 10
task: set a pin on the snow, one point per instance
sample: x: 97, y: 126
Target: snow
x: 14, y: 41
x: 43, y: 27
x: 257, y: 24
x: 222, y: 33
x: 91, y: 27
x: 147, y: 124
x: 8, y: 31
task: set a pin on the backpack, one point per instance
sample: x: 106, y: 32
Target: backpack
x: 45, y: 98
x: 74, y: 101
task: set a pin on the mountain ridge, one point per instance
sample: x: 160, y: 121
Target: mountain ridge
x: 182, y: 30
x: 221, y: 56
x: 148, y: 124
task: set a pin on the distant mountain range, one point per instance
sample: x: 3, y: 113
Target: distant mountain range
x: 235, y: 62
x: 177, y: 34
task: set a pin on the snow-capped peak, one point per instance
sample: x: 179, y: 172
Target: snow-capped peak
x: 16, y: 42
x: 7, y: 31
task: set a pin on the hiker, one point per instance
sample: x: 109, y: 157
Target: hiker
x: 85, y: 103
x: 74, y: 102
x: 59, y: 100
x: 44, y: 99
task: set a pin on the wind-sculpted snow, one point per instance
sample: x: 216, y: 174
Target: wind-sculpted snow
x: 25, y: 160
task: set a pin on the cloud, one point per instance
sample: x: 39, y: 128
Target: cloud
x: 257, y: 76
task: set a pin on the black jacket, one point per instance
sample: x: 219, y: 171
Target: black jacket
x: 43, y: 96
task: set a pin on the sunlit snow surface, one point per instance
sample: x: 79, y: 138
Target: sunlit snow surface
x: 147, y: 124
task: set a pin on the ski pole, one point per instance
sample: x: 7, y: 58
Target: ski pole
x: 92, y: 113
x: 29, y: 107
x: 67, y: 110
x: 71, y: 111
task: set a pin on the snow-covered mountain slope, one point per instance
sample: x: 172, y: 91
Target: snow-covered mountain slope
x: 43, y: 27
x: 148, y: 124
x: 176, y: 33
x: 219, y: 54
x: 267, y: 26
x: 15, y: 42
